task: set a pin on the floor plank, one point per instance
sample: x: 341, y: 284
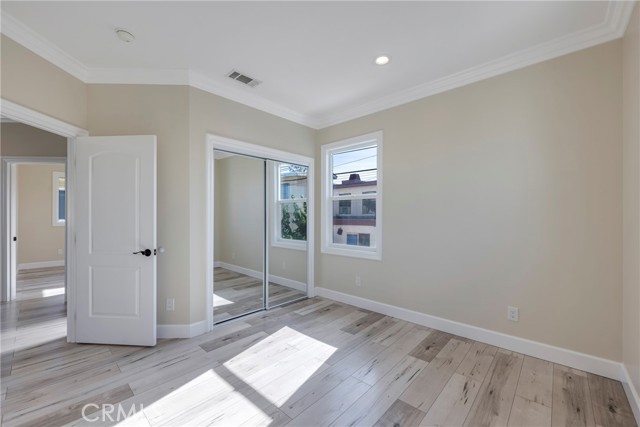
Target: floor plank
x: 314, y: 362
x: 492, y: 407
x: 431, y: 345
x: 379, y: 398
x: 426, y: 388
x: 610, y: 405
x: 454, y: 403
x: 572, y: 404
x: 400, y: 414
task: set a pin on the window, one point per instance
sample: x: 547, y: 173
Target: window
x: 290, y: 229
x: 368, y: 206
x: 59, y: 199
x: 352, y: 197
x: 345, y: 207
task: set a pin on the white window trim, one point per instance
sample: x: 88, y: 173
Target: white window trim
x: 276, y: 240
x: 55, y: 208
x: 327, y: 246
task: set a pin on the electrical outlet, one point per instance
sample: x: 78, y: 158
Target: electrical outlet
x: 171, y: 304
x: 358, y: 281
x: 513, y: 313
x: 233, y: 255
x: 59, y: 251
x: 284, y: 265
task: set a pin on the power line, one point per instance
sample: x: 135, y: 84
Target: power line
x: 353, y: 161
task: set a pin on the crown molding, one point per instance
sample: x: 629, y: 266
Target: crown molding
x: 147, y: 76
x: 243, y: 96
x: 22, y: 34
x: 618, y: 16
x: 612, y: 27
x: 33, y: 41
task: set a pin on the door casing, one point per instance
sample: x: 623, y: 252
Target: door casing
x: 38, y: 120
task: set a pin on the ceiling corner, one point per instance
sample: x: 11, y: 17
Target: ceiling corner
x: 20, y: 33
x: 619, y: 14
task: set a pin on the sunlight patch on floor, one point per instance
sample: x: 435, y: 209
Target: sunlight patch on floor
x: 280, y: 364
x: 218, y: 301
x: 208, y: 398
x: 52, y: 292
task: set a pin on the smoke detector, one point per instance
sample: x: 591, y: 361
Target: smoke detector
x: 124, y: 35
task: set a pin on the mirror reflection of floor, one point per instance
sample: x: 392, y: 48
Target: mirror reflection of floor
x: 235, y: 294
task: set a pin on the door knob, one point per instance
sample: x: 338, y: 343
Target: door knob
x: 146, y: 252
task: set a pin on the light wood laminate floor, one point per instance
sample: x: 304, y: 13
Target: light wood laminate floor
x: 235, y: 294
x: 312, y: 363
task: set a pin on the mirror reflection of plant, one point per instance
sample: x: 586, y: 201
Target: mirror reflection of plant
x: 299, y: 221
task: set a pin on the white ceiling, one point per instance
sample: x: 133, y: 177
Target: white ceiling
x: 315, y: 59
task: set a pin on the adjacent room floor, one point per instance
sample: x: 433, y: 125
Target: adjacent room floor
x: 312, y: 363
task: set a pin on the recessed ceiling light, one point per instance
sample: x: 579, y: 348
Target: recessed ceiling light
x: 382, y: 60
x: 124, y: 35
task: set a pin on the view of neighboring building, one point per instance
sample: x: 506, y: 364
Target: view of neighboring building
x: 354, y: 218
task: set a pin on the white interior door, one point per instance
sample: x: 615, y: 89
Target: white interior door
x: 13, y: 231
x: 115, y: 216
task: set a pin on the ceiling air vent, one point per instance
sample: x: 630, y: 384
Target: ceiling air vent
x: 243, y: 78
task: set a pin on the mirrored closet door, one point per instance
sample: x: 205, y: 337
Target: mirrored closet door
x: 260, y: 234
x: 239, y: 234
x: 287, y: 251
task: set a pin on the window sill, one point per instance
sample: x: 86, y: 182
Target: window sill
x: 374, y: 255
x: 298, y: 245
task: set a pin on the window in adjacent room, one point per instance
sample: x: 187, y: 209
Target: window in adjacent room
x: 59, y: 199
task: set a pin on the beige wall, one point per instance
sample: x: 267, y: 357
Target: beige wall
x: 216, y: 115
x: 161, y: 111
x: 38, y: 239
x: 181, y: 116
x: 631, y: 199
x: 33, y: 82
x: 17, y: 139
x: 515, y: 199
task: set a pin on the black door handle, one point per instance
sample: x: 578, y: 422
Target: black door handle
x: 146, y: 252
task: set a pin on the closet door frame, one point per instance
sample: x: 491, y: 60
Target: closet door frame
x: 216, y: 142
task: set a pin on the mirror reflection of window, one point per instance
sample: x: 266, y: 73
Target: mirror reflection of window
x: 291, y: 203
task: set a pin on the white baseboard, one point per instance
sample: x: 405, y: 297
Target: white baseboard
x: 42, y: 264
x: 631, y: 391
x: 585, y: 362
x: 293, y: 284
x: 182, y: 331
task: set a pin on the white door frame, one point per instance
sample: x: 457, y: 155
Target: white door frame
x: 9, y: 185
x: 38, y: 120
x: 235, y: 146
